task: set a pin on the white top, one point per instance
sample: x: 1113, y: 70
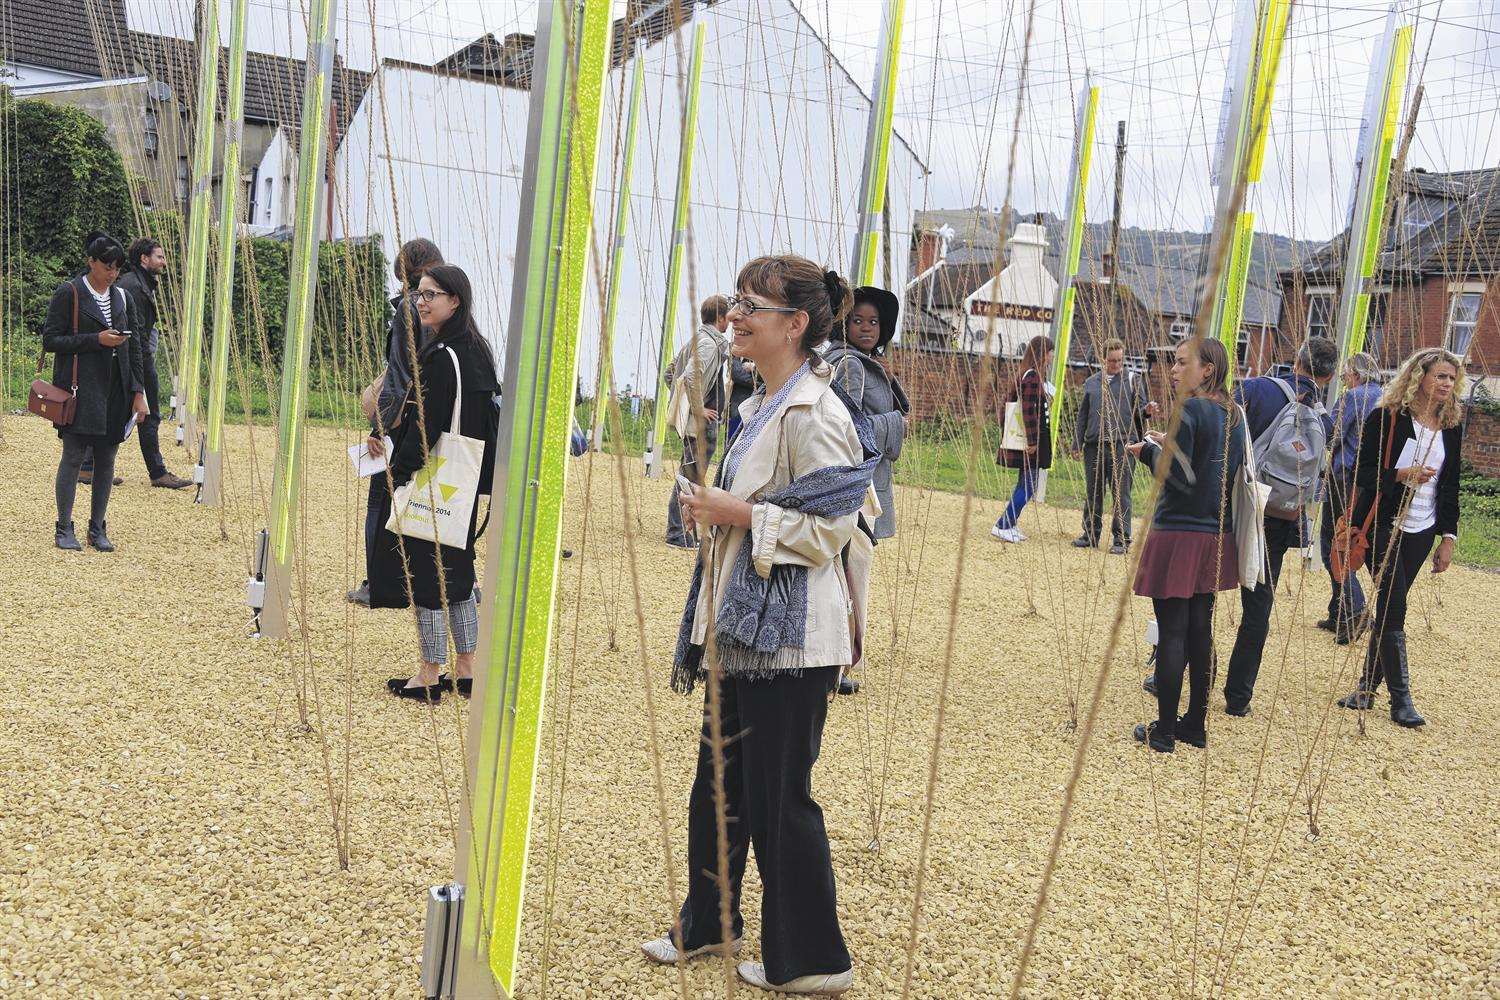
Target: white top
x: 1427, y: 449
x: 103, y: 299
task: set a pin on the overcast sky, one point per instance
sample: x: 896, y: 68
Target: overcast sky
x: 1160, y: 65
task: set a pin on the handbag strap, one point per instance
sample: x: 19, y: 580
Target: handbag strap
x: 1390, y: 435
x: 42, y: 354
x: 458, y: 393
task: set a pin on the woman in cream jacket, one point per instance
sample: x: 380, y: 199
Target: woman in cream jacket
x: 793, y: 489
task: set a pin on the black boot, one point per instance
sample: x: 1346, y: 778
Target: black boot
x: 1363, y: 697
x: 1393, y: 652
x: 65, y: 538
x: 98, y: 539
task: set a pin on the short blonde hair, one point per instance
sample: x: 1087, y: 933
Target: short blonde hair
x: 1112, y: 344
x: 1401, y: 393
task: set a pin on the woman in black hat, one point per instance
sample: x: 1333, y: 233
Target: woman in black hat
x: 856, y: 356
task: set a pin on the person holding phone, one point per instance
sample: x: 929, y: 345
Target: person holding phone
x: 1409, y: 462
x: 98, y: 360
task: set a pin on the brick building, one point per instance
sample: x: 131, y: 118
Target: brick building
x: 1434, y: 277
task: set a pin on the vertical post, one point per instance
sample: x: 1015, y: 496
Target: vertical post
x: 617, y: 254
x: 286, y: 482
x: 657, y: 436
x: 1260, y: 30
x: 1383, y: 95
x: 872, y: 181
x: 524, y: 536
x: 1114, y: 231
x: 200, y: 204
x: 210, y: 471
x: 1078, y: 184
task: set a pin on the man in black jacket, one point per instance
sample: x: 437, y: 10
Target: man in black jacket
x: 413, y: 260
x: 147, y: 261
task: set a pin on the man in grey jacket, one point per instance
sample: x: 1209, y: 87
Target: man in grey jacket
x: 1110, y: 416
x: 702, y: 358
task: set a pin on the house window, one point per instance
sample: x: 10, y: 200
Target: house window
x: 1321, y: 305
x: 1181, y: 329
x: 267, y: 203
x: 1375, y: 321
x: 151, y: 138
x: 1463, y: 317
x: 182, y: 178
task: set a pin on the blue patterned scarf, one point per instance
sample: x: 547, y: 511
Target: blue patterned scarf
x: 761, y: 624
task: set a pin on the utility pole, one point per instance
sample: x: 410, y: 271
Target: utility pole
x: 269, y: 591
x: 1114, y: 232
x: 210, y: 470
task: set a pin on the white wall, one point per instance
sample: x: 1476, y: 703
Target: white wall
x: 1024, y: 288
x: 20, y: 76
x: 777, y: 167
x: 278, y: 166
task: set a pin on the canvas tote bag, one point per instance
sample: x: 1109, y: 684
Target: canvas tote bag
x: 1248, y: 507
x: 438, y: 503
x: 1013, y: 433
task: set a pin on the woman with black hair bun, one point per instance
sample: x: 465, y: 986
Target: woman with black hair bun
x: 98, y: 360
x: 857, y: 355
x: 453, y: 352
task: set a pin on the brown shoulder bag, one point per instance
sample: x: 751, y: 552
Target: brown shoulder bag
x: 47, y: 400
x: 1351, y: 543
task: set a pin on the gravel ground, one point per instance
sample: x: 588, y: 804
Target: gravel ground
x: 165, y: 828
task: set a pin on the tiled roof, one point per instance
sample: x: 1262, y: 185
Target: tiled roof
x: 273, y: 84
x: 30, y: 29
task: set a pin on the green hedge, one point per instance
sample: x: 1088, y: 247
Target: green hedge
x: 66, y: 180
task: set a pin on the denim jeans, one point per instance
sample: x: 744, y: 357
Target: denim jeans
x: 1025, y: 490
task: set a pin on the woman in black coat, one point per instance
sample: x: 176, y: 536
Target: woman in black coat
x: 100, y: 362
x: 1034, y: 393
x: 1408, y: 460
x: 444, y: 300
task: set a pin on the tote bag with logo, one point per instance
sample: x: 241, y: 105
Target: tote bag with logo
x: 438, y: 503
x: 1013, y: 432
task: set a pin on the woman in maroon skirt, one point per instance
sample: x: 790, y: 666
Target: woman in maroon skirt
x: 1190, y: 552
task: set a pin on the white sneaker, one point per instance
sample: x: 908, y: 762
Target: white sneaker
x: 1007, y: 534
x: 1019, y: 533
x: 663, y: 951
x: 827, y: 984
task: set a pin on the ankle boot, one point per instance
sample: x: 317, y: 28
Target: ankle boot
x: 1363, y: 697
x: 65, y: 537
x: 98, y: 539
x: 1403, y: 712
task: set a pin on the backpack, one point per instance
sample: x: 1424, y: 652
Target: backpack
x: 1289, y: 454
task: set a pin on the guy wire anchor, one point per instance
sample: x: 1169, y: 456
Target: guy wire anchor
x: 445, y: 904
x: 198, y: 469
x: 176, y: 409
x: 255, y: 587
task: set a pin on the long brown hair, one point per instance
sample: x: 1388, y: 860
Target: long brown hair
x: 1037, y: 348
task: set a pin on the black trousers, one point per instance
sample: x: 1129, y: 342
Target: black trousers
x: 772, y: 731
x: 374, y: 519
x: 676, y: 534
x: 1394, y: 575
x: 1348, y: 599
x: 1255, y: 614
x: 1107, y: 466
x: 1184, y: 643
x: 147, y: 430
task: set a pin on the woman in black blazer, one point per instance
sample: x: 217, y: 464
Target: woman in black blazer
x: 444, y: 299
x: 1408, y: 459
x: 100, y: 362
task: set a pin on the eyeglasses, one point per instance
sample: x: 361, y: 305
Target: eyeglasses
x: 750, y: 307
x: 426, y: 295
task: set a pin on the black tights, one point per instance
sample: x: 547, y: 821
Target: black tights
x: 1185, y: 641
x: 74, y: 448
